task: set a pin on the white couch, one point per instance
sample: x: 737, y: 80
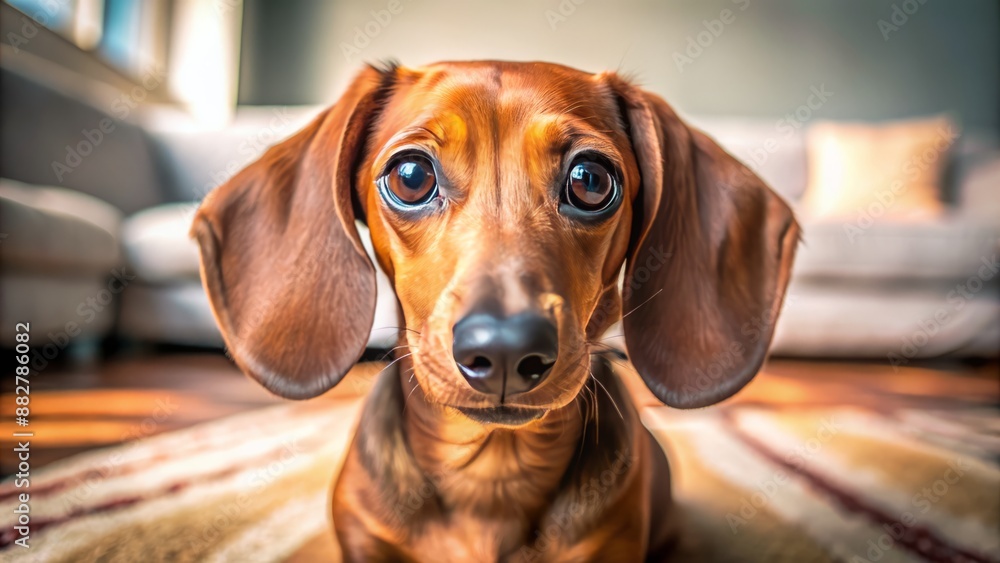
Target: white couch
x: 894, y: 292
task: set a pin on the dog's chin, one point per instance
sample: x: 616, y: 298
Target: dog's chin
x: 506, y: 416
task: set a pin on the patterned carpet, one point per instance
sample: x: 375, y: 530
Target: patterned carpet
x: 785, y: 473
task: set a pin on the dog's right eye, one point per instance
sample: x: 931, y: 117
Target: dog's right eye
x: 410, y: 181
x: 591, y: 189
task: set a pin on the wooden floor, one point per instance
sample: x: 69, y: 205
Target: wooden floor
x: 75, y: 409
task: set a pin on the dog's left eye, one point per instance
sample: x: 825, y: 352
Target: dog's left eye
x: 589, y: 186
x: 411, y: 181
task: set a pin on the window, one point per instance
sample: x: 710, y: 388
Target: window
x: 127, y: 34
x: 80, y: 21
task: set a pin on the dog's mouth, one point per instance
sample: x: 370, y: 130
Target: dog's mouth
x: 502, y: 415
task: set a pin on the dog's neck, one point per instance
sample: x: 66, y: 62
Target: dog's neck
x: 490, y: 468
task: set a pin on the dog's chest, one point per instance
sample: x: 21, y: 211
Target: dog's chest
x: 466, y: 537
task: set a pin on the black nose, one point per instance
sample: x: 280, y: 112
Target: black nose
x: 506, y: 356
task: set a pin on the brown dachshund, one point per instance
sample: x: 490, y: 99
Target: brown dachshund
x: 503, y: 200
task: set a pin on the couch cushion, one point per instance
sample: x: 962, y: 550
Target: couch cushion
x: 174, y: 314
x: 980, y: 191
x: 52, y: 134
x: 62, y: 310
x: 774, y: 150
x: 898, y: 323
x: 944, y: 248
x: 893, y: 168
x: 160, y: 253
x: 55, y: 230
x: 157, y: 245
x: 200, y: 159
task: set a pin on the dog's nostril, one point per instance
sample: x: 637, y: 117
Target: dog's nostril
x: 505, y: 356
x: 480, y: 364
x: 533, y: 367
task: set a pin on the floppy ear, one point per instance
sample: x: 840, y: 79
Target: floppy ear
x: 709, y: 261
x: 289, y: 282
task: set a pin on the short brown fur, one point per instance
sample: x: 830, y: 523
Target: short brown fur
x: 707, y: 249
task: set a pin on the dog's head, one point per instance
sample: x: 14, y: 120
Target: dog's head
x: 503, y: 200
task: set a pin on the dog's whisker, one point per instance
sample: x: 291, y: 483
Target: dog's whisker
x: 585, y: 412
x: 579, y: 409
x: 634, y: 309
x: 391, y: 350
x: 609, y: 395
x: 597, y: 414
x: 390, y: 364
x: 601, y: 343
x: 406, y: 401
x: 608, y: 349
x: 617, y: 361
x: 400, y: 329
x: 622, y: 365
x: 401, y: 346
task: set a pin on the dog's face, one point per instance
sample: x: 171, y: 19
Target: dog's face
x: 503, y: 200
x: 499, y: 201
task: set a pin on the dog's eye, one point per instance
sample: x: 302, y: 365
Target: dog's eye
x: 411, y: 180
x: 589, y: 186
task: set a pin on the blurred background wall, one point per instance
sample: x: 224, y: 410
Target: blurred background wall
x: 882, y: 60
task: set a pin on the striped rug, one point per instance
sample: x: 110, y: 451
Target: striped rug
x: 785, y: 481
